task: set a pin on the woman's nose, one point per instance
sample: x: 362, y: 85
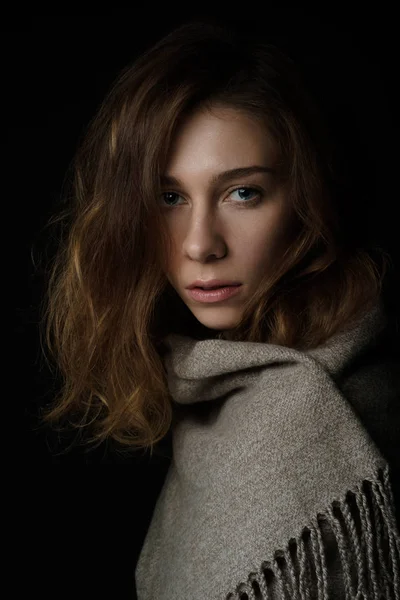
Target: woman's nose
x: 204, y: 238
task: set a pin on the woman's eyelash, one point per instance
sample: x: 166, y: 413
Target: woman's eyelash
x: 251, y: 202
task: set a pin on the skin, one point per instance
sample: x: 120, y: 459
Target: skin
x: 215, y: 234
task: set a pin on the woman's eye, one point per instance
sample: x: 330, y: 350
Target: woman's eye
x: 169, y: 194
x: 244, y: 195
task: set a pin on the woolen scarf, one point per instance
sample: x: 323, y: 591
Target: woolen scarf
x: 280, y: 484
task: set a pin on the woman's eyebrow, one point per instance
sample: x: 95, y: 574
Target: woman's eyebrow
x: 223, y: 176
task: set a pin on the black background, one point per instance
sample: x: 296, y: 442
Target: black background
x: 78, y: 534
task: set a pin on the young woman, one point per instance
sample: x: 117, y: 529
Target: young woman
x: 211, y: 283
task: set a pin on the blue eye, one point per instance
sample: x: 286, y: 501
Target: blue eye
x: 246, y: 191
x: 247, y: 196
x: 170, y: 194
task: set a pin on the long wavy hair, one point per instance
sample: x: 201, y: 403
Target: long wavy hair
x: 108, y: 303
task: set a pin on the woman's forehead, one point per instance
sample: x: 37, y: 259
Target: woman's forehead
x: 212, y: 141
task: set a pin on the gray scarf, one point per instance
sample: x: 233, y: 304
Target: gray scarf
x: 279, y: 485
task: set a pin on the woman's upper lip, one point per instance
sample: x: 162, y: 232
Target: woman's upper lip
x: 211, y: 283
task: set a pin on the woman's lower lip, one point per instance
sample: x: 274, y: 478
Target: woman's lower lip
x: 216, y: 295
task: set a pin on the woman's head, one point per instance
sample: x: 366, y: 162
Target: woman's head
x: 152, y: 214
x: 246, y: 87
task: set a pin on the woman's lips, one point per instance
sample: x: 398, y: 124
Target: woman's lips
x: 214, y: 295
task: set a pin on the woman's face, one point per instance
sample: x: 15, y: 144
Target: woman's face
x: 231, y: 227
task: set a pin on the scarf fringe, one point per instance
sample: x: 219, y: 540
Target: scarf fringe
x: 368, y: 546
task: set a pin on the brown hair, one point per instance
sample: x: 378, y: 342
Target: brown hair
x: 109, y: 304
